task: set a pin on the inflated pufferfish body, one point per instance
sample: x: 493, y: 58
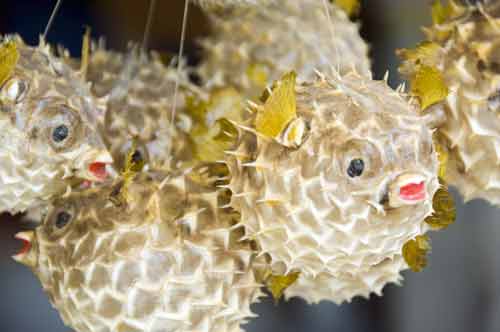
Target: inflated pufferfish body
x: 139, y: 90
x: 218, y: 4
x: 339, y: 188
x: 465, y: 50
x: 251, y: 47
x: 48, y: 131
x: 162, y: 257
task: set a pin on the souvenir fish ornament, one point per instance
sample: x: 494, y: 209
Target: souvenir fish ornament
x: 139, y: 91
x: 150, y: 254
x: 220, y: 4
x: 251, y: 47
x: 461, y: 51
x: 48, y: 122
x: 332, y: 178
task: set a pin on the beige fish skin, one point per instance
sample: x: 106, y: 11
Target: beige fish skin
x: 47, y: 130
x: 468, y: 58
x: 224, y: 4
x: 139, y: 92
x: 251, y: 47
x: 163, y: 258
x: 313, y: 209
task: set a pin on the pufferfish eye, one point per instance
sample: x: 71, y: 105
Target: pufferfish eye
x: 356, y: 168
x: 63, y: 127
x: 60, y: 133
x: 15, y: 90
x: 62, y: 219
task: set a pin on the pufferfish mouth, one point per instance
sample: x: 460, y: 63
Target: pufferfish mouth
x: 407, y: 189
x: 96, y: 167
x: 26, y: 239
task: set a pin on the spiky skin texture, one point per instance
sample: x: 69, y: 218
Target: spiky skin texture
x: 165, y: 259
x: 139, y: 90
x: 468, y: 58
x: 252, y: 47
x: 224, y: 4
x: 344, y: 287
x: 303, y: 208
x: 41, y: 94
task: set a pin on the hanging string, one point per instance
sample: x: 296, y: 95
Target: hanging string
x: 149, y: 24
x: 179, y: 68
x: 332, y: 32
x: 51, y: 19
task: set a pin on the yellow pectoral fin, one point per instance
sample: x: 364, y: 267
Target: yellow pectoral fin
x: 429, y: 86
x: 9, y: 55
x: 351, y: 7
x: 415, y: 252
x: 279, y: 109
x: 277, y: 284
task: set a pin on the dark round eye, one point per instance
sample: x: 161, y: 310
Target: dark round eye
x: 62, y: 219
x: 60, y: 133
x: 137, y: 157
x: 356, y: 168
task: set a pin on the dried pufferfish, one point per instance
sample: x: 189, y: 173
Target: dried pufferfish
x: 139, y: 92
x: 47, y: 121
x: 462, y: 50
x: 157, y: 256
x: 332, y: 178
x: 251, y: 47
x: 223, y: 4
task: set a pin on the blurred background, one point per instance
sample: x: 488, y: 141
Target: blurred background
x: 458, y: 291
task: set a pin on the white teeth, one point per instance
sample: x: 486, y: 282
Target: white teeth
x: 406, y: 179
x: 25, y: 236
x: 111, y: 171
x: 104, y: 157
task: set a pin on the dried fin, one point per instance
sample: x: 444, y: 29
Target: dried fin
x: 429, y: 86
x: 425, y: 53
x: 280, y: 108
x: 442, y: 155
x: 277, y: 284
x: 213, y: 132
x: 415, y: 252
x: 444, y: 210
x: 441, y: 13
x: 134, y: 163
x: 9, y: 55
x: 351, y: 7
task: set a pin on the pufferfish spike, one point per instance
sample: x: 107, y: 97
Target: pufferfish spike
x: 138, y: 90
x: 462, y: 46
x: 325, y: 219
x: 47, y: 118
x: 168, y: 259
x: 251, y: 47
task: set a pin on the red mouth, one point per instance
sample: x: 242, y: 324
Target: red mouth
x: 413, y: 191
x: 98, y: 169
x: 25, y: 248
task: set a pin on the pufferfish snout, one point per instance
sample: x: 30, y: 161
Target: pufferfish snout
x: 48, y: 121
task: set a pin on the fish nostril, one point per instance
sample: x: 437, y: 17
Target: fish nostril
x: 384, y: 200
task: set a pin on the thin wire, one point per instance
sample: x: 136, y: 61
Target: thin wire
x: 179, y: 67
x: 332, y: 31
x: 149, y: 23
x: 51, y: 19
